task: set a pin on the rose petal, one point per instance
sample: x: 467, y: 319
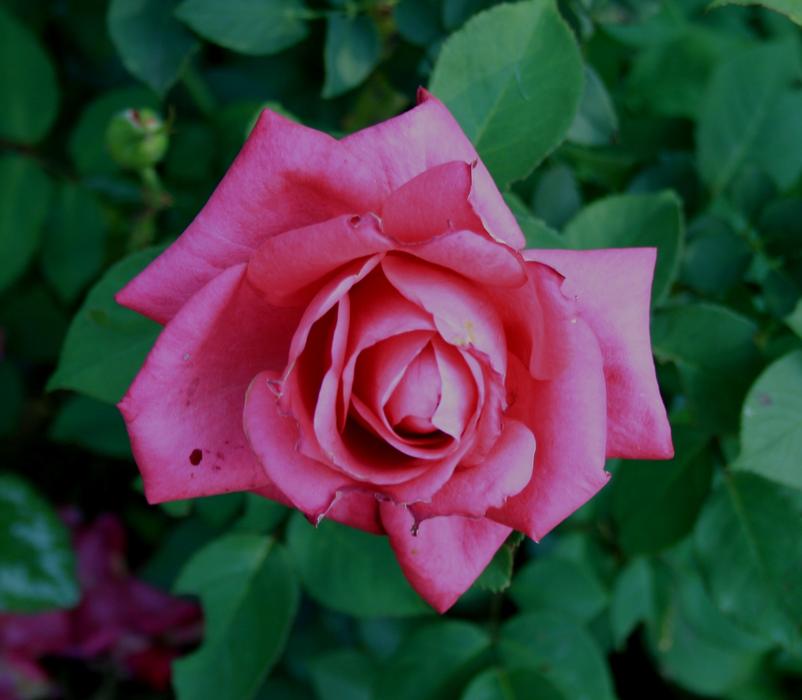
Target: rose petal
x: 430, y: 204
x: 286, y: 265
x: 273, y: 436
x: 568, y: 417
x: 446, y: 555
x: 459, y: 393
x: 356, y: 509
x: 533, y: 317
x: 476, y: 257
x: 379, y: 372
x: 424, y: 137
x: 462, y: 315
x: 381, y: 313
x: 417, y: 395
x: 472, y: 491
x: 286, y: 176
x: 612, y: 289
x: 184, y: 409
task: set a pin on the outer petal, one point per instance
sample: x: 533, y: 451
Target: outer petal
x: 445, y: 556
x: 357, y: 509
x: 184, y: 409
x: 612, y: 290
x: 309, y: 484
x: 505, y: 471
x: 422, y: 138
x: 432, y: 203
x: 286, y: 265
x: 568, y: 416
x: 533, y: 317
x: 286, y: 176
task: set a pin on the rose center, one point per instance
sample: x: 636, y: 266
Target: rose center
x: 415, y: 399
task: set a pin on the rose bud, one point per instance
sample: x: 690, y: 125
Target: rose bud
x: 137, y: 138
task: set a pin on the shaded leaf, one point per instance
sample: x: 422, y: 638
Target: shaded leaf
x: 748, y: 545
x: 106, y: 344
x: 249, y: 596
x: 27, y: 84
x: 248, y: 26
x: 153, y: 46
x: 24, y: 200
x: 353, y: 48
x: 349, y: 570
x: 434, y: 662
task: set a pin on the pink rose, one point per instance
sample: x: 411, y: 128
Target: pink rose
x: 353, y: 327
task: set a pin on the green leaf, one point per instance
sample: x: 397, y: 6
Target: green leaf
x: 106, y: 344
x: 596, y: 122
x: 632, y: 601
x: 248, y: 26
x: 714, y: 350
x: 249, y: 596
x: 556, y: 198
x: 655, y: 504
x: 771, y: 423
x: 456, y: 12
x: 24, y: 201
x: 630, y: 220
x: 153, y: 46
x: 93, y: 425
x: 749, y: 549
x: 512, y: 77
x: 716, y: 258
x: 37, y: 567
x: 671, y: 79
x: 750, y: 116
x: 86, y: 145
x: 351, y: 571
x: 557, y: 646
x: 434, y: 662
x: 353, y: 48
x: 512, y: 684
x: 497, y: 575
x: 794, y: 319
x: 537, y: 233
x: 27, y: 84
x: 74, y: 243
x: 703, y: 651
x: 220, y: 509
x: 553, y: 583
x: 419, y: 21
x: 790, y: 8
x: 344, y: 674
x: 260, y: 515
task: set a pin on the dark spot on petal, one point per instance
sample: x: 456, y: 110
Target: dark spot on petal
x: 195, y: 457
x: 220, y: 455
x: 354, y: 220
x: 216, y: 468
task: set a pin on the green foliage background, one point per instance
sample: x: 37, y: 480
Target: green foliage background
x: 607, y: 123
